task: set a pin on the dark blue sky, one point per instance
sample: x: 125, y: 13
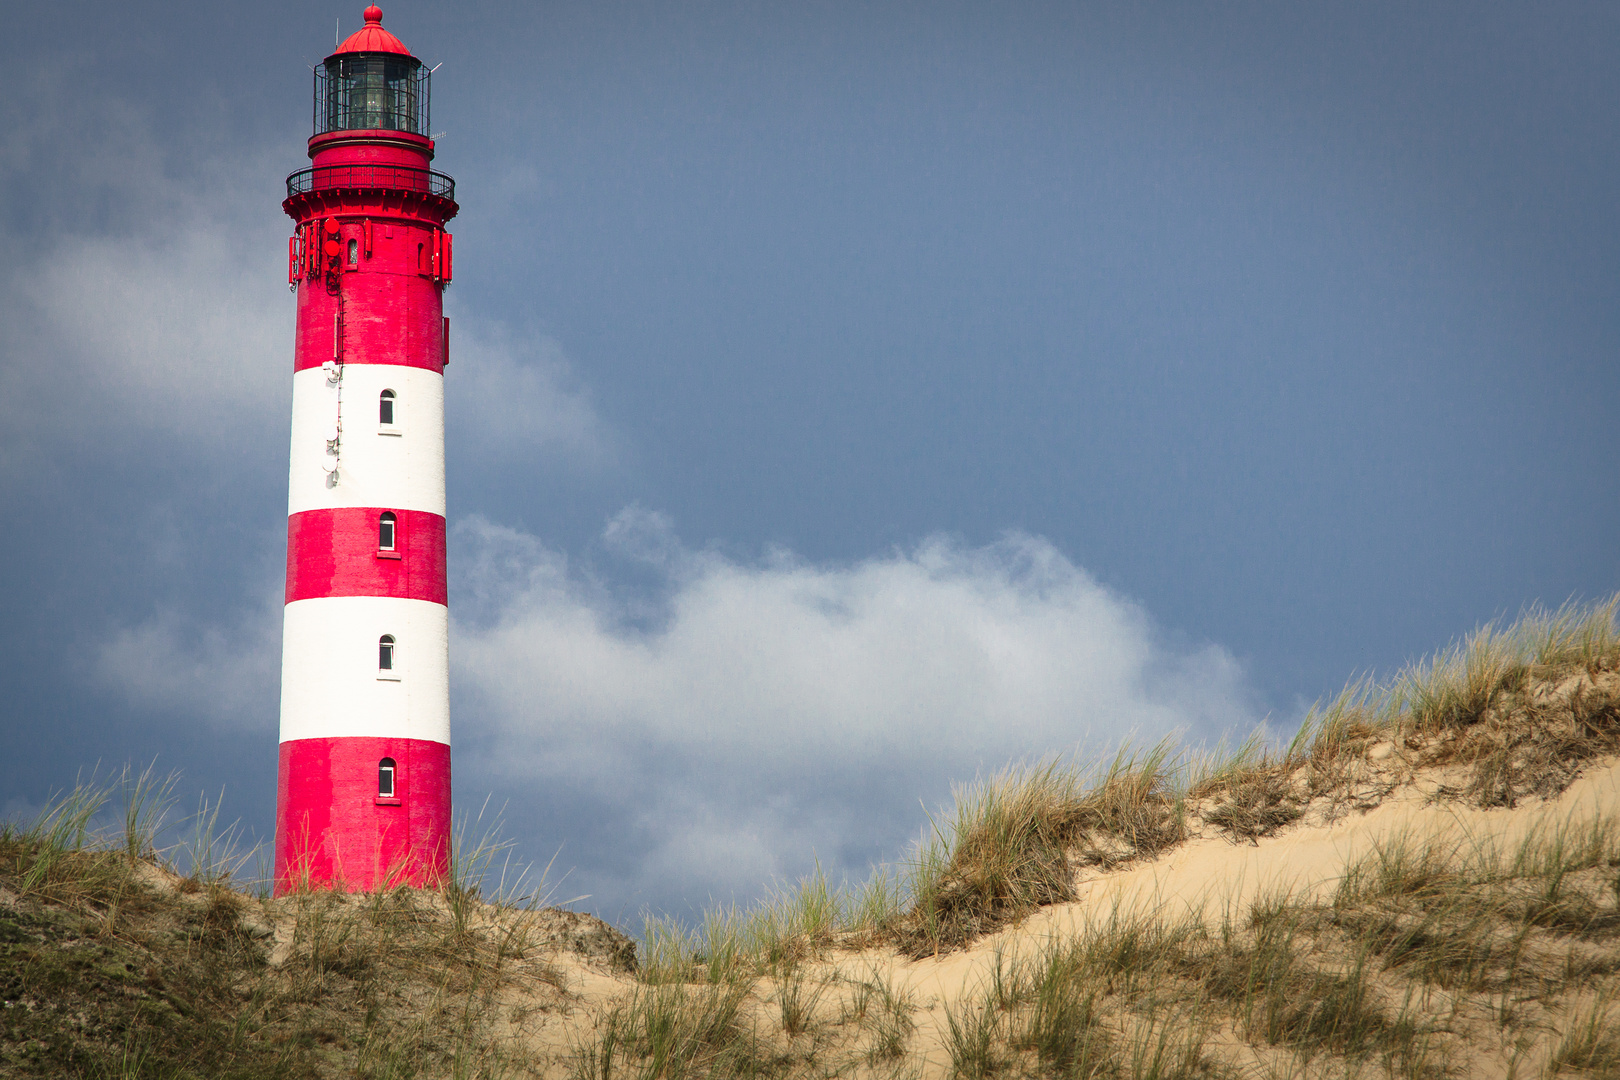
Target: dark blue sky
x: 847, y: 399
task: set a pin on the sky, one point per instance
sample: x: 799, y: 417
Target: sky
x: 847, y: 400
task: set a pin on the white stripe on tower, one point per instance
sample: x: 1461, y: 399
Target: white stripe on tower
x: 402, y: 470
x: 331, y: 686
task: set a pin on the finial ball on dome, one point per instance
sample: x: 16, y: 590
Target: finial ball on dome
x: 372, y: 38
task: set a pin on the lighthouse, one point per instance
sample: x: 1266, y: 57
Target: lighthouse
x: 363, y: 783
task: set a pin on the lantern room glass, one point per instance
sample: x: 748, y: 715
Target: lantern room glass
x: 371, y: 92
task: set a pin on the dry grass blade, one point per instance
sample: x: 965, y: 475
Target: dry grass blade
x: 1523, y: 705
x: 1251, y: 793
x: 797, y: 1002
x: 1064, y: 1026
x: 974, y: 1038
x: 886, y: 1013
x: 1433, y: 951
x: 1015, y: 842
x: 148, y: 801
x: 1591, y: 1043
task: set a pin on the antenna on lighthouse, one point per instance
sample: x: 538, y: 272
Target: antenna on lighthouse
x: 337, y: 32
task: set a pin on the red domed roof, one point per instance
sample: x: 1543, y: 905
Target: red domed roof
x: 372, y: 37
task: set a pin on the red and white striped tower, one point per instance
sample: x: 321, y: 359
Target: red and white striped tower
x: 363, y: 793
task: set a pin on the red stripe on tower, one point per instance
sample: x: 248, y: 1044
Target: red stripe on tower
x: 365, y: 551
x: 365, y: 807
x: 363, y: 785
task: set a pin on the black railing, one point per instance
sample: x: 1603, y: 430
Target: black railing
x: 371, y: 177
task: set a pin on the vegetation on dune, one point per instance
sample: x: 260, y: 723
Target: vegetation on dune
x: 1426, y: 960
x: 115, y: 964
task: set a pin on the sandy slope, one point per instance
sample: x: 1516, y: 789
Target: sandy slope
x: 1211, y: 873
x: 1208, y: 874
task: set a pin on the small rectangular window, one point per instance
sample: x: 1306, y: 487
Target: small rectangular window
x: 385, y: 779
x: 386, y: 670
x: 385, y: 532
x: 387, y: 413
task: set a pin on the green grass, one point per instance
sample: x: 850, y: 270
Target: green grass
x: 1429, y: 952
x: 886, y: 1014
x: 1591, y: 1043
x: 791, y: 924
x: 1006, y: 849
x: 1012, y: 843
x: 1333, y: 987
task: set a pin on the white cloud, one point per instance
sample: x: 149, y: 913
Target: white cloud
x: 784, y: 708
x: 747, y: 717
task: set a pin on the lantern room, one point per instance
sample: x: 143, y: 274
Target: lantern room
x: 372, y: 83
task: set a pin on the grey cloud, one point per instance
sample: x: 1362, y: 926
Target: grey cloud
x: 181, y: 333
x: 643, y: 535
x: 159, y: 306
x: 173, y: 317
x: 224, y: 674
x: 512, y: 398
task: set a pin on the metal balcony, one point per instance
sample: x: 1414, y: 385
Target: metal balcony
x: 372, y: 178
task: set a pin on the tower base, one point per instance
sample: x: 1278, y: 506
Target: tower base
x: 337, y: 827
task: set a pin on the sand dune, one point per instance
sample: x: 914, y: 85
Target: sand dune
x: 1215, y: 878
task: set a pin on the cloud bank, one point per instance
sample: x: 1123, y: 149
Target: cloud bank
x: 755, y: 717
